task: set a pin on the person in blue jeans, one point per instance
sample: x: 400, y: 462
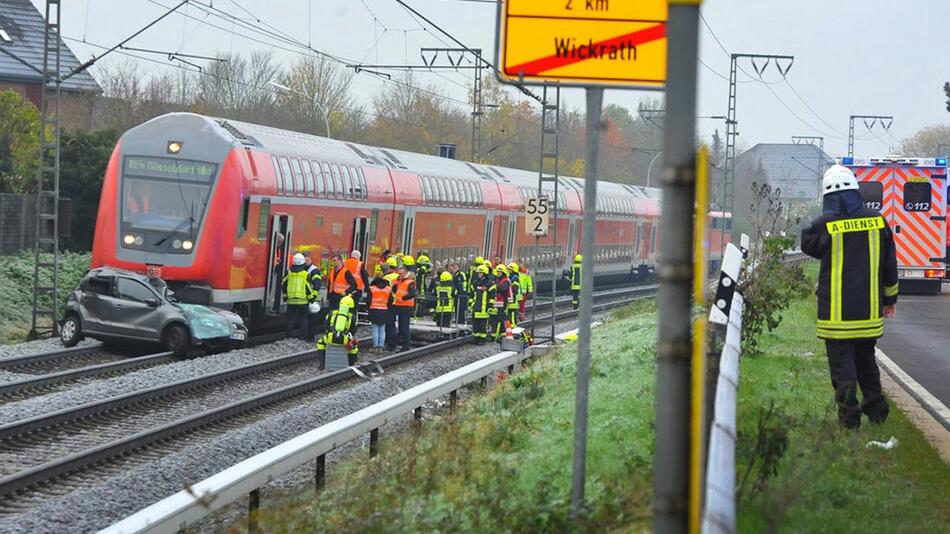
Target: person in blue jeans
x: 381, y: 300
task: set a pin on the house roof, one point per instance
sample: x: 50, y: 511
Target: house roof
x: 23, y: 24
x: 796, y: 168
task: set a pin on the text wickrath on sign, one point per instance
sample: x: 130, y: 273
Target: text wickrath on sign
x: 619, y: 43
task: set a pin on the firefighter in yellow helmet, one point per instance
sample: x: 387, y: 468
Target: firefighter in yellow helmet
x: 444, y: 300
x: 482, y: 303
x: 514, y: 278
x: 575, y: 277
x: 502, y: 291
x: 857, y: 289
x: 338, y: 333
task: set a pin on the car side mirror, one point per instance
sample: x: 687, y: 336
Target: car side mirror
x: 152, y: 303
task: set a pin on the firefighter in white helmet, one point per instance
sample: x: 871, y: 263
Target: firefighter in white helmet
x: 857, y: 289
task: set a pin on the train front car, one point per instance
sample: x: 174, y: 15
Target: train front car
x: 167, y: 181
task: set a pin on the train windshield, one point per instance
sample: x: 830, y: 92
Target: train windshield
x: 164, y: 193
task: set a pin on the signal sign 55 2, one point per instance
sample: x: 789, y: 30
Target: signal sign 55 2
x: 536, y: 216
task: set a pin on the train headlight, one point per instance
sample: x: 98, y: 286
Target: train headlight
x: 176, y: 243
x: 139, y: 240
x: 128, y: 239
x: 187, y: 244
x: 174, y: 147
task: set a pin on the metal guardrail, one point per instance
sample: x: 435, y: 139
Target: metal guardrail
x: 720, y: 510
x: 246, y: 478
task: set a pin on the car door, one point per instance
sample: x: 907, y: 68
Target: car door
x: 133, y: 316
x: 95, y: 306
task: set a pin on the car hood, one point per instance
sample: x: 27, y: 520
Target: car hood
x: 208, y: 323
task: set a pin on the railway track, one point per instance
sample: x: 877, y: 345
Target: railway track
x: 48, y: 453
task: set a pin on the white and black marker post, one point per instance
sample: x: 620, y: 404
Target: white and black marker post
x: 595, y: 100
x: 675, y: 297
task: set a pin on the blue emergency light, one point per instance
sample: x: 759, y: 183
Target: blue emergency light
x: 847, y: 160
x: 941, y: 162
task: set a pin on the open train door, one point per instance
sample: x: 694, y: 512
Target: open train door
x: 360, y: 232
x: 277, y: 260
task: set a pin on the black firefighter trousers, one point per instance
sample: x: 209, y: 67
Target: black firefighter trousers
x: 852, y: 363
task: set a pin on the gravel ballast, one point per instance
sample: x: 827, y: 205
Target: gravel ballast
x: 90, y: 509
x: 37, y: 346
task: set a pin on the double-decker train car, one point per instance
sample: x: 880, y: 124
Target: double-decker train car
x: 215, y: 207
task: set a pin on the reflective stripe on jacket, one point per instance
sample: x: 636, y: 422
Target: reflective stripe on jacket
x: 444, y: 301
x: 858, y: 274
x: 297, y: 286
x: 575, y: 275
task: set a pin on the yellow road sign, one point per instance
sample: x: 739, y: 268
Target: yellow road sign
x: 583, y: 42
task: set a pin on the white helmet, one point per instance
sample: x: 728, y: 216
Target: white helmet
x: 314, y: 307
x: 298, y: 259
x: 356, y: 254
x: 838, y: 178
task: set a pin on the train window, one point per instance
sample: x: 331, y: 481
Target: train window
x: 319, y: 189
x: 456, y: 194
x: 440, y: 185
x: 426, y: 189
x: 242, y: 218
x: 288, y: 176
x: 918, y: 196
x: 347, y: 182
x: 328, y: 179
x: 307, y: 177
x: 263, y: 220
x: 653, y: 239
x: 277, y: 174
x: 298, y: 176
x: 338, y: 184
x: 364, y: 188
x: 636, y: 241
x: 373, y: 225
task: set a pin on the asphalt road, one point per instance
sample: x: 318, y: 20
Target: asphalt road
x: 918, y: 340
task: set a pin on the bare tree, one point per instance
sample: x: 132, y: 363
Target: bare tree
x: 238, y: 88
x: 318, y: 85
x: 927, y: 142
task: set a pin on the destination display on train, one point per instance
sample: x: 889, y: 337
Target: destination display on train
x: 583, y: 42
x: 174, y: 169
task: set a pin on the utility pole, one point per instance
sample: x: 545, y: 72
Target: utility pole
x: 550, y: 155
x: 46, y: 223
x: 674, y: 301
x: 455, y: 58
x: 885, y: 120
x: 732, y: 132
x: 811, y: 140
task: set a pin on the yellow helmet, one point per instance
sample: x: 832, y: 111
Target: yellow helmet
x: 578, y: 258
x: 408, y: 261
x: 392, y: 261
x: 445, y: 276
x: 422, y: 259
x: 500, y: 268
x: 513, y: 267
x: 482, y: 268
x: 479, y: 260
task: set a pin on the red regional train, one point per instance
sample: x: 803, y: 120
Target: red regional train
x: 211, y: 205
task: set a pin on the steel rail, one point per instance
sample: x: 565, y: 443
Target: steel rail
x: 42, y: 357
x: 91, y: 370
x: 74, y: 462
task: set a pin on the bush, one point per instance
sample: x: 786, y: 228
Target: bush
x: 769, y: 284
x: 16, y: 289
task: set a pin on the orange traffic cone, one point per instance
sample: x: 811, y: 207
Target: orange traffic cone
x: 508, y: 330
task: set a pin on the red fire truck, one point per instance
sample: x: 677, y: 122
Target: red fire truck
x: 910, y: 193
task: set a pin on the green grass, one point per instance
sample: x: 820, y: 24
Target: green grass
x: 827, y: 481
x: 502, y: 461
x: 16, y: 289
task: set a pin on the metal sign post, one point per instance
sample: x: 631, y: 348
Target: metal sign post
x: 673, y: 349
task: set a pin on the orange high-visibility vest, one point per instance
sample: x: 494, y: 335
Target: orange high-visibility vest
x: 402, y: 289
x: 340, y: 285
x: 380, y: 298
x: 355, y: 266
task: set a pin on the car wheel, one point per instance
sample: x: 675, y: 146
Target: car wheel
x: 176, y: 339
x: 71, y: 331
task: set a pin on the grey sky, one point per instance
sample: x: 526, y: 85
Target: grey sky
x: 851, y: 56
